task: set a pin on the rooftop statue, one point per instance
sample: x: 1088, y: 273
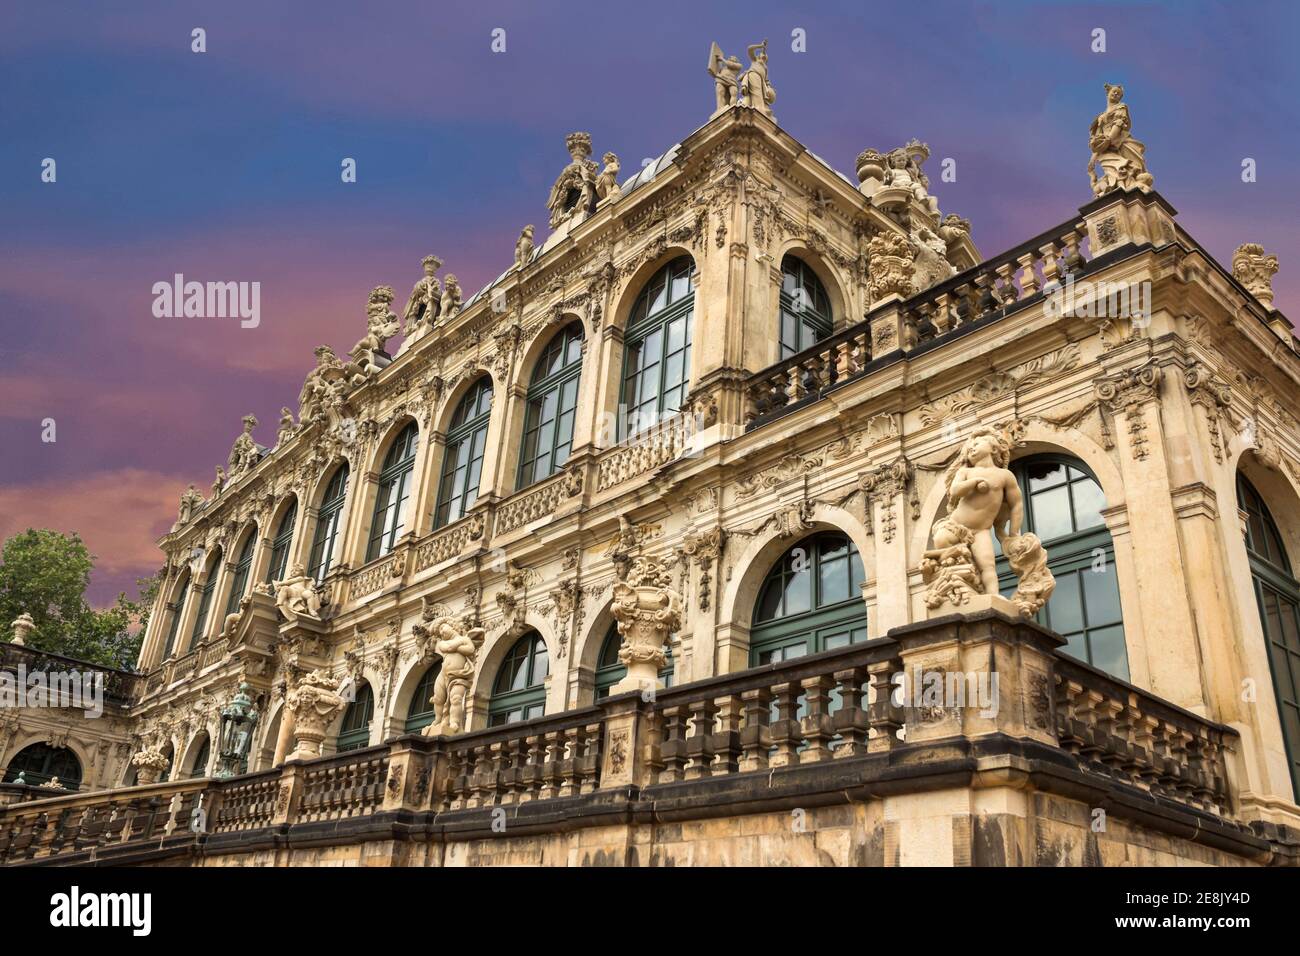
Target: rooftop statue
x: 725, y: 71
x: 1121, y: 158
x: 574, y: 194
x: 607, y: 182
x: 422, y: 307
x: 381, y: 325
x: 984, y: 497
x: 754, y: 85
x: 190, y: 501
x: 324, y: 388
x: 244, y: 453
x: 450, y: 304
x: 524, y: 247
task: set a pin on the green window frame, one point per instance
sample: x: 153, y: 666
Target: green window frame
x: 519, y: 691
x: 39, y: 763
x: 205, y: 599
x: 200, y: 765
x: 354, y: 732
x: 1277, y: 594
x: 551, y: 406
x: 657, y: 349
x: 239, y: 580
x: 176, y: 607
x: 610, y: 670
x: 811, y: 601
x: 420, y: 713
x: 388, y: 522
x: 1063, y: 502
x: 325, y: 539
x: 805, y: 310
x: 280, y: 544
x: 462, y: 458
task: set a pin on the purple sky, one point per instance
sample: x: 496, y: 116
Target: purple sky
x: 225, y: 166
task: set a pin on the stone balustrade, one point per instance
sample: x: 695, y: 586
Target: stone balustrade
x: 121, y: 688
x: 840, y: 721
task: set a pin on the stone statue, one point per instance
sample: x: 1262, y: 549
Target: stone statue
x: 219, y: 482
x: 983, y: 497
x: 754, y: 85
x: 450, y: 304
x: 287, y: 428
x: 244, y: 453
x: 190, y: 501
x: 648, y: 611
x: 323, y: 387
x: 422, y: 307
x: 298, y: 595
x: 23, y: 626
x: 1255, y: 270
x: 725, y: 71
x: 607, y: 182
x: 457, y: 643
x: 381, y: 325
x: 1122, y: 158
x: 574, y: 194
x: 524, y: 247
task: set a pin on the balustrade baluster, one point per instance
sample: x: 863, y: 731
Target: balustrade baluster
x: 699, y: 745
x: 785, y: 731
x: 851, y: 721
x: 673, y: 750
x: 817, y: 727
x: 885, y: 716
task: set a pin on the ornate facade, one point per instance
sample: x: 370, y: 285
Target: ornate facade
x: 668, y: 502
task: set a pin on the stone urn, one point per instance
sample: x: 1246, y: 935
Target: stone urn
x: 871, y: 170
x: 314, y: 704
x: 647, y: 615
x: 149, y: 765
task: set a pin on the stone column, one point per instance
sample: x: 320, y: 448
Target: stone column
x: 314, y: 704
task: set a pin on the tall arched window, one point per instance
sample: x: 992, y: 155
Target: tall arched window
x: 810, y: 602
x: 657, y: 348
x: 1063, y: 505
x: 354, y: 732
x: 462, y: 460
x: 325, y: 539
x: 176, y: 609
x: 389, y: 520
x: 519, y: 692
x: 205, y: 599
x: 805, y: 307
x: 280, y: 544
x: 610, y: 670
x: 40, y: 763
x: 200, y: 766
x: 1278, y: 595
x: 239, y: 580
x: 421, y: 713
x: 552, y: 404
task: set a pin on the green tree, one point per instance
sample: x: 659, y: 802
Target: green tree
x: 45, y: 573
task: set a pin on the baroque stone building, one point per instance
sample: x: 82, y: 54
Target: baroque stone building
x: 616, y: 560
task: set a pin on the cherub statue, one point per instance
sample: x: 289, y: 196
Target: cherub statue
x: 457, y: 642
x: 450, y: 305
x: 286, y: 429
x: 190, y: 500
x: 219, y: 482
x: 725, y: 71
x: 754, y: 85
x: 607, y: 182
x: 524, y: 247
x: 321, y: 386
x: 381, y: 325
x: 298, y: 595
x: 422, y: 307
x: 1122, y: 158
x: 244, y: 453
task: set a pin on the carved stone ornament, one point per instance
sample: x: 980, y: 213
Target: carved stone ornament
x: 1255, y: 270
x: 314, y: 704
x: 648, y: 612
x: 457, y: 643
x: 890, y: 265
x: 298, y: 595
x: 1120, y: 158
x: 149, y: 764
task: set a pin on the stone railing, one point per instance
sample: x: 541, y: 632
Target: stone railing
x: 445, y: 543
x: 370, y: 578
x: 121, y: 688
x: 807, y: 729
x: 533, y: 504
x: 645, y: 451
x: 990, y: 290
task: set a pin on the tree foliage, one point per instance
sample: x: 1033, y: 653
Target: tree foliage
x: 45, y: 573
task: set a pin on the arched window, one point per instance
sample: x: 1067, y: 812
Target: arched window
x: 239, y: 580
x: 1063, y: 505
x: 421, y: 714
x: 176, y: 608
x: 552, y: 405
x: 811, y: 601
x: 610, y: 670
x: 200, y: 766
x: 519, y: 692
x: 39, y: 763
x: 805, y: 307
x: 657, y: 348
x: 354, y: 733
x: 462, y: 460
x: 1278, y: 595
x: 205, y: 599
x: 327, y: 525
x: 389, y: 520
x: 280, y: 544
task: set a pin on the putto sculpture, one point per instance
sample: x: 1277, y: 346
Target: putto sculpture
x: 1120, y: 157
x: 324, y: 389
x: 607, y: 182
x: 457, y: 642
x: 450, y: 304
x: 422, y: 307
x: 983, y: 499
x: 298, y: 595
x: 524, y: 247
x: 725, y: 71
x: 381, y: 325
